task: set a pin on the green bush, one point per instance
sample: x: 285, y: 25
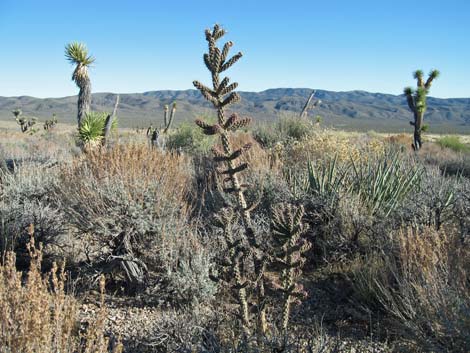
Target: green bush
x: 286, y: 128
x: 454, y: 143
x: 189, y: 138
x: 292, y: 127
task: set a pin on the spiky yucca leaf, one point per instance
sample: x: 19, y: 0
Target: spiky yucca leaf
x: 92, y: 127
x: 77, y: 53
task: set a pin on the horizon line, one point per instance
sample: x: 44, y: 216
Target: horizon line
x: 193, y: 89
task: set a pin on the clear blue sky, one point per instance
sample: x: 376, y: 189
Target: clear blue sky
x: 151, y: 45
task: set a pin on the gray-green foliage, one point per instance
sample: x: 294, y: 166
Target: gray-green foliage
x: 189, y: 138
x: 26, y: 198
x: 141, y: 238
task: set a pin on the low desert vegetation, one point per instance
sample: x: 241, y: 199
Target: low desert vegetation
x: 232, y: 236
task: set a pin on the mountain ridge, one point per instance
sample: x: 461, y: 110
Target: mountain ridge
x: 352, y: 110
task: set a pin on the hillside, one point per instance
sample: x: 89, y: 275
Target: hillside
x: 345, y: 110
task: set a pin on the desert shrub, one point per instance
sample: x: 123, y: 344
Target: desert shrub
x: 267, y: 135
x: 321, y: 144
x: 402, y: 139
x: 189, y: 138
x: 430, y: 205
x: 420, y: 279
x: 27, y: 199
x: 129, y: 207
x: 294, y: 128
x: 454, y: 143
x: 449, y: 161
x: 286, y: 128
x: 461, y: 209
x: 38, y: 316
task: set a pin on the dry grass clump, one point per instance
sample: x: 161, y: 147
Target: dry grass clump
x: 449, y: 161
x: 137, y: 167
x: 37, y: 315
x: 421, y: 280
x: 401, y: 139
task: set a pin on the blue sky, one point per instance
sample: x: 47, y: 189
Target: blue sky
x: 151, y: 45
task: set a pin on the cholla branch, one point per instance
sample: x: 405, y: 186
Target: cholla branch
x: 232, y: 61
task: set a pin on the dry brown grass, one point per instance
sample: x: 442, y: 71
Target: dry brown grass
x: 37, y: 315
x: 402, y: 139
x: 136, y: 167
x: 423, y: 285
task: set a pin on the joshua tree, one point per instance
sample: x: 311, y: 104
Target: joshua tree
x: 26, y: 124
x: 77, y: 54
x: 51, y: 123
x: 416, y: 100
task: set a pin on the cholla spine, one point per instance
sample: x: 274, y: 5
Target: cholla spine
x: 416, y: 100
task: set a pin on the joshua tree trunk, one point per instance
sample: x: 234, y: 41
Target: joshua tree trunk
x: 84, y: 99
x: 418, y: 124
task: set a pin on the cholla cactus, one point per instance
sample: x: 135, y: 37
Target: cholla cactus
x: 222, y: 95
x: 416, y: 100
x: 232, y: 264
x: 288, y: 248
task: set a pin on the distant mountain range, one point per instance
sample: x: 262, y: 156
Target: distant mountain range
x: 353, y: 110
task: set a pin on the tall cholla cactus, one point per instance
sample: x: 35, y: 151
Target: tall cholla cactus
x: 222, y: 95
x: 289, y: 248
x: 232, y: 263
x: 416, y: 100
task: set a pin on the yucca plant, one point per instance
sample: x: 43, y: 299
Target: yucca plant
x: 325, y: 178
x: 93, y: 127
x: 383, y: 183
x: 77, y: 54
x: 416, y: 100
